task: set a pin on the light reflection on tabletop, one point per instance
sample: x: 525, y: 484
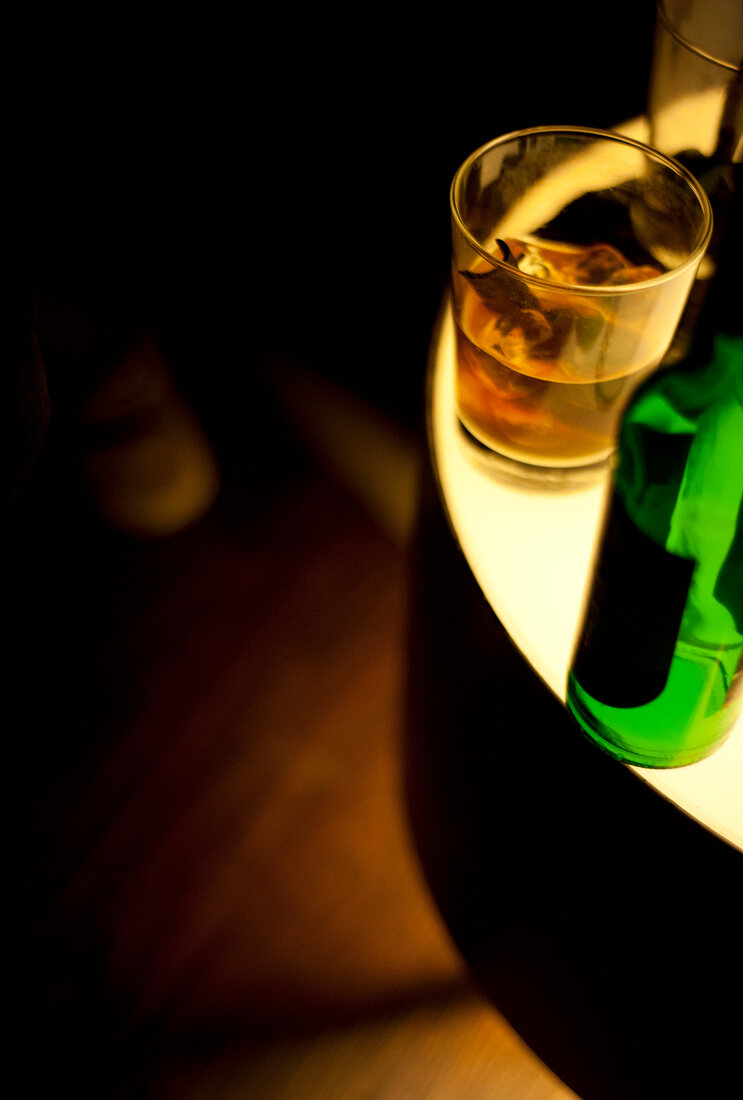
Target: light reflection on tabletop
x: 530, y: 552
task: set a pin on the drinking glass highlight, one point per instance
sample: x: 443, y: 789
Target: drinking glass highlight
x: 573, y: 252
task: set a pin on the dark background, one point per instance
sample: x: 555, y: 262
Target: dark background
x: 282, y: 189
x: 258, y: 190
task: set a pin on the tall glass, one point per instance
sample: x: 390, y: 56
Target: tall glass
x: 695, y: 113
x: 573, y: 253
x: 695, y: 74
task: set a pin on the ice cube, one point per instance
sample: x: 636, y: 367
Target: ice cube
x: 598, y: 265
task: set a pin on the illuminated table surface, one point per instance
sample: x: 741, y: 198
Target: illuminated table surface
x: 530, y: 552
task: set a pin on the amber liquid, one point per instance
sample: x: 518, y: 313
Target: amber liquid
x: 543, y: 379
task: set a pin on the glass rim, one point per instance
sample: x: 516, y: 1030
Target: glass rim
x: 607, y: 135
x: 665, y: 18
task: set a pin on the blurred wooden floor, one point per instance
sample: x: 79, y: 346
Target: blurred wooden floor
x: 214, y: 891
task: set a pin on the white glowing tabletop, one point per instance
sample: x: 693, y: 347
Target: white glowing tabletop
x: 530, y: 552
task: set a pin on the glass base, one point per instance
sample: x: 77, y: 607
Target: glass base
x: 526, y: 475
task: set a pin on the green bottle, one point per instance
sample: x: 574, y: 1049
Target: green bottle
x: 657, y: 674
